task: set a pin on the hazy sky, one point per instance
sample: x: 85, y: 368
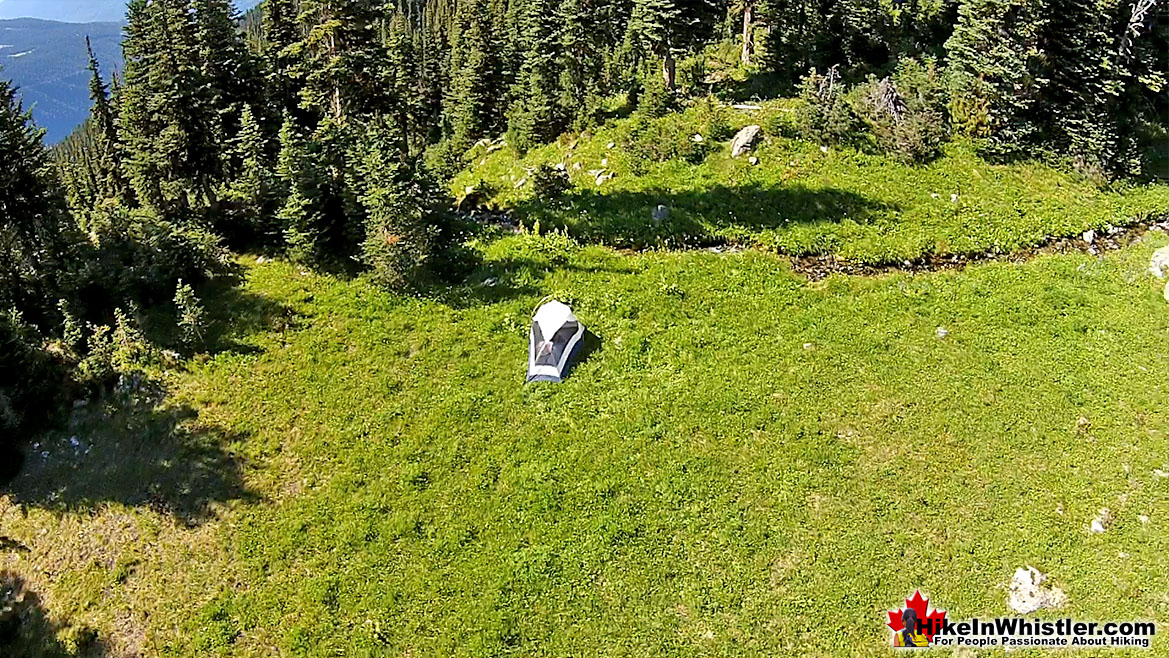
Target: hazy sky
x: 76, y: 11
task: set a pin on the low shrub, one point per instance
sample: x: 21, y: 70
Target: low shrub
x: 906, y: 112
x: 662, y: 140
x: 549, y: 182
x: 31, y: 379
x: 823, y: 114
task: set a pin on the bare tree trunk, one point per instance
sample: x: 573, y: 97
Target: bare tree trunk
x: 670, y: 70
x: 748, y: 32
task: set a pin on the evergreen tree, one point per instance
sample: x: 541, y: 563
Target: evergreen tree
x: 227, y: 67
x: 344, y: 58
x: 253, y: 191
x: 37, y: 236
x: 668, y: 28
x: 172, y: 155
x: 477, y: 77
x: 536, y: 115
x: 283, y: 49
x: 113, y: 184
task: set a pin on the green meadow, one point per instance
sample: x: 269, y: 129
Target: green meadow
x: 751, y: 464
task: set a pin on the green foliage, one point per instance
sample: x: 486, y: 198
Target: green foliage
x: 824, y: 115
x: 191, y: 315
x: 250, y: 198
x: 30, y: 380
x: 906, y: 112
x: 549, y: 182
x: 663, y: 140
x: 400, y: 214
x: 1068, y: 76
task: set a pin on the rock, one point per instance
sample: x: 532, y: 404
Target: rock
x: 603, y: 178
x: 1102, y: 521
x: 1159, y: 263
x: 604, y: 162
x: 611, y: 145
x: 576, y: 166
x: 934, y: 195
x: 753, y: 160
x: 661, y: 213
x: 745, y: 140
x: 696, y: 138
x: 953, y: 198
x: 942, y: 333
x: 1027, y: 593
x: 1144, y: 518
x: 823, y: 149
x: 1089, y: 236
x: 522, y: 182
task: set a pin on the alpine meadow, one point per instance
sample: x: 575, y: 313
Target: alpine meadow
x: 589, y: 328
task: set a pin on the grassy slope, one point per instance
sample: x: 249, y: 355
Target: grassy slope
x: 705, y: 485
x: 800, y: 200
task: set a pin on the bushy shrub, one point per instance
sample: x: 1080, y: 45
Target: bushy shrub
x: 549, y: 182
x: 906, y: 112
x: 714, y: 120
x: 654, y: 98
x: 31, y: 380
x: 402, y: 207
x: 191, y: 315
x: 135, y: 258
x: 823, y: 114
x: 661, y: 140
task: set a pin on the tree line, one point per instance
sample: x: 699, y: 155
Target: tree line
x: 321, y: 129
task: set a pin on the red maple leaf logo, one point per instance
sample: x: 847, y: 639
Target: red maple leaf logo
x: 931, y: 620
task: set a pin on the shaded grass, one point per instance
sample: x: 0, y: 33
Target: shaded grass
x: 750, y: 465
x: 801, y: 201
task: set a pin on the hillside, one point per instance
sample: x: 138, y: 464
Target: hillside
x: 798, y: 198
x: 46, y: 60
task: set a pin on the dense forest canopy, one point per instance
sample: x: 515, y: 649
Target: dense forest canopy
x: 319, y: 129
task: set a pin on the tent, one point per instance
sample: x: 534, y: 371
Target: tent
x: 555, y: 341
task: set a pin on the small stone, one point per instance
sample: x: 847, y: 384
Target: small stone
x: 1144, y: 518
x: 1059, y: 509
x: 74, y: 442
x: 604, y: 162
x: 1082, y: 422
x: 745, y: 140
x: 522, y: 182
x: 661, y: 213
x: 611, y: 145
x: 807, y: 346
x: 696, y: 138
x: 953, y: 198
x: 934, y: 195
x: 753, y: 160
x: 1027, y: 593
x: 1102, y: 521
x: 942, y: 333
x: 823, y: 149
x: 1159, y: 263
x: 1089, y: 236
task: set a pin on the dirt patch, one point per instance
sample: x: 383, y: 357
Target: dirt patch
x: 816, y: 268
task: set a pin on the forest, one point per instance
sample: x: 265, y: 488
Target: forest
x: 385, y: 143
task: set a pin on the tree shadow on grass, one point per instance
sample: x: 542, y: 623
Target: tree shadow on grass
x: 701, y: 217
x: 27, y: 632
x: 134, y: 449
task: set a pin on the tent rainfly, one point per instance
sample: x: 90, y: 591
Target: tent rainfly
x: 555, y: 341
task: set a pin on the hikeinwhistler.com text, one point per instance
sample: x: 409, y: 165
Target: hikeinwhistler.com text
x: 1039, y: 633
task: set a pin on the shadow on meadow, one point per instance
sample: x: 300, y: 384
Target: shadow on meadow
x: 134, y: 449
x: 27, y: 632
x: 697, y: 218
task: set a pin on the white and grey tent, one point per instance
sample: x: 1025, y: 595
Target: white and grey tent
x: 556, y: 338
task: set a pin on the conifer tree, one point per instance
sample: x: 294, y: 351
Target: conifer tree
x: 283, y: 53
x: 37, y: 235
x: 477, y: 77
x: 172, y: 156
x: 344, y: 57
x: 669, y: 28
x: 536, y: 115
x: 113, y: 184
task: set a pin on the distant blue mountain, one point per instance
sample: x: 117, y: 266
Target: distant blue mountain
x: 45, y: 58
x: 78, y: 11
x: 47, y: 63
